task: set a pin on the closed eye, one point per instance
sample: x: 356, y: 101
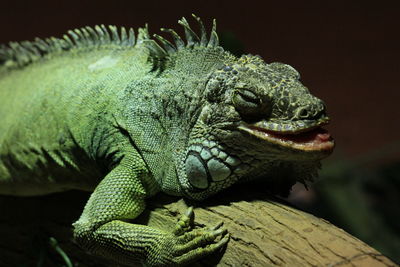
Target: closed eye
x: 246, y: 98
x: 249, y: 105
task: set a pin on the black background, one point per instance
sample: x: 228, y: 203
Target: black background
x: 347, y: 51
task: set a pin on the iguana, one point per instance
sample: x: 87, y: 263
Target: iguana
x: 128, y: 115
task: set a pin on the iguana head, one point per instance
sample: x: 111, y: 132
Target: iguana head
x: 255, y: 119
x: 258, y: 120
x: 268, y: 102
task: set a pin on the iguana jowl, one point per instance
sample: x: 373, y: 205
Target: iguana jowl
x: 127, y: 116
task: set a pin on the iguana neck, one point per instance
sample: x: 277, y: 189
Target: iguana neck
x: 158, y: 113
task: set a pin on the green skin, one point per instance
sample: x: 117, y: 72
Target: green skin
x: 125, y: 123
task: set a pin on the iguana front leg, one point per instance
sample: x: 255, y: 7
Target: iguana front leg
x: 102, y: 228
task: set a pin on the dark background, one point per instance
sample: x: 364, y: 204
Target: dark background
x: 348, y: 54
x: 347, y: 51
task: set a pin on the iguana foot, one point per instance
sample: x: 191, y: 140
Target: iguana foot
x: 186, y: 244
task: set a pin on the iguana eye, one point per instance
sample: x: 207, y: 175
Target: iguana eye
x: 245, y: 98
x: 248, y: 104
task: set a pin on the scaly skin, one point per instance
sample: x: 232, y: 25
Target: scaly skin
x: 125, y: 118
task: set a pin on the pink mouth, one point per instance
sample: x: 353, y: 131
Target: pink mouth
x: 317, y: 139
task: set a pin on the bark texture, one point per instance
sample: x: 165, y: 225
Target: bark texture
x: 264, y: 232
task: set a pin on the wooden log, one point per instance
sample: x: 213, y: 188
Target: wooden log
x: 264, y: 231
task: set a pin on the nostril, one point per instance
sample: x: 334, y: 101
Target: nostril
x: 302, y: 113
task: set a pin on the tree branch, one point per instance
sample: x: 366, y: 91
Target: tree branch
x: 264, y: 232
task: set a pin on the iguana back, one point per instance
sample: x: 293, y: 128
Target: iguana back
x: 50, y: 108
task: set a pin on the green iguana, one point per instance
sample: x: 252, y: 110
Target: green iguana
x: 127, y: 115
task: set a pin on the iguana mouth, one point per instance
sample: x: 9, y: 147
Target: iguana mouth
x: 313, y: 138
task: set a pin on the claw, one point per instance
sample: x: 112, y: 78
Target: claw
x: 219, y: 231
x: 189, y: 212
x: 224, y: 240
x: 217, y: 226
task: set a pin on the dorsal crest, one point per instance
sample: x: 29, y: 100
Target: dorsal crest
x: 20, y: 54
x: 160, y: 47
